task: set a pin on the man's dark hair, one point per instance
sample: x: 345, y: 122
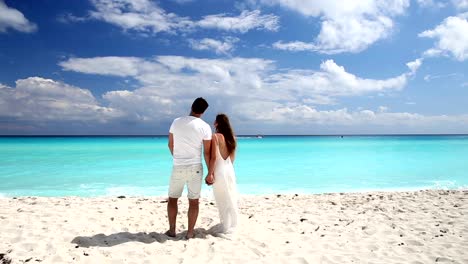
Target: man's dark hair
x: 199, y: 105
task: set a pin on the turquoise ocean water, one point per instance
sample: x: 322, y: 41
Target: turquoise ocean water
x: 108, y: 166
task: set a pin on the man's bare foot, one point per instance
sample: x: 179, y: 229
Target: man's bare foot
x: 170, y: 233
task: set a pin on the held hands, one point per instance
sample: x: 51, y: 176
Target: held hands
x: 209, y: 180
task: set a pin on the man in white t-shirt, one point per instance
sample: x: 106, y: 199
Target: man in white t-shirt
x: 188, y: 135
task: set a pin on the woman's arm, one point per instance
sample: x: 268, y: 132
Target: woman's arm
x: 211, y: 167
x: 233, y: 154
x: 214, y: 145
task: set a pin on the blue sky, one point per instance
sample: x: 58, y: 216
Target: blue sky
x: 274, y: 66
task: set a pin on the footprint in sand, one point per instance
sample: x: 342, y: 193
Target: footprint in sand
x: 373, y: 248
x: 443, y: 260
x: 414, y: 243
x: 255, y: 246
x: 408, y: 250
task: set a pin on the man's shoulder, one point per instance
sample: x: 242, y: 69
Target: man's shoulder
x: 179, y: 119
x: 204, y: 123
x: 176, y: 123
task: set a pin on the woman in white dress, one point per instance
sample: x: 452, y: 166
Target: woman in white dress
x: 223, y: 178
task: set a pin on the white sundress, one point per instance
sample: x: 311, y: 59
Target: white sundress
x: 225, y: 192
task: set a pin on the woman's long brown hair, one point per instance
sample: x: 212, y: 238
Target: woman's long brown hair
x: 224, y: 127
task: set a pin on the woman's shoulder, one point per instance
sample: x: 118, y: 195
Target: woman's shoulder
x: 219, y: 135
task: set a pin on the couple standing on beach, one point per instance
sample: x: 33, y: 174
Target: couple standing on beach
x: 188, y: 135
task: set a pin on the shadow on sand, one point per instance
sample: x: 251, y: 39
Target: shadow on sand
x: 102, y: 240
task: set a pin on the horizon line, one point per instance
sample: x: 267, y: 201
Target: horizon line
x: 244, y: 135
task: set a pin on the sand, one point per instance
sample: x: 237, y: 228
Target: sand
x: 377, y: 227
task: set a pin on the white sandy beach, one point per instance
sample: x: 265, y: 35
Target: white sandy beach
x: 377, y: 227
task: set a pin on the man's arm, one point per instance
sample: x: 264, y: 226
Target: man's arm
x: 207, y: 153
x: 171, y: 143
x: 210, y: 175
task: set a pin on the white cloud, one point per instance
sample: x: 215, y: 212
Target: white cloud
x: 138, y: 15
x: 147, y: 17
x: 451, y: 36
x: 172, y: 81
x: 333, y: 81
x: 183, y: 1
x: 383, y: 109
x: 254, y: 92
x: 433, y: 53
x: 295, y: 115
x: 246, y: 21
x: 347, y: 26
x: 414, y: 65
x: 431, y: 4
x: 14, y: 19
x: 39, y: 99
x: 429, y: 77
x: 224, y: 46
x: 35, y: 100
x: 425, y: 3
x: 330, y: 80
x: 118, y: 66
x: 352, y: 34
x: 141, y: 106
x: 294, y: 46
x: 460, y: 4
x: 70, y: 18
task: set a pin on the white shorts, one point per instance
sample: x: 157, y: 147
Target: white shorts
x: 191, y: 175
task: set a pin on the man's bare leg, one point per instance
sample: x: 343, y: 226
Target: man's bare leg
x: 192, y: 216
x: 172, y: 216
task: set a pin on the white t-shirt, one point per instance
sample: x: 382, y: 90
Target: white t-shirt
x: 189, y: 133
